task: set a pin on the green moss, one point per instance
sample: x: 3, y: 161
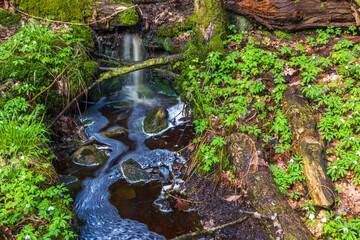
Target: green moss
x: 283, y: 35
x: 175, y: 29
x: 90, y: 69
x: 58, y: 9
x: 130, y: 17
x: 8, y: 19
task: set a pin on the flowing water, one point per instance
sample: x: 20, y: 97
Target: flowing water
x: 99, y: 218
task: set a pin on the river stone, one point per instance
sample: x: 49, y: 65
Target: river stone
x: 156, y: 120
x: 145, y: 91
x: 115, y: 132
x: 120, y: 105
x: 241, y: 23
x: 133, y: 172
x: 68, y: 179
x: 88, y: 156
x: 124, y: 193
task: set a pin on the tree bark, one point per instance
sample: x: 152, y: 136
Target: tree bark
x: 303, y: 127
x: 291, y: 15
x: 263, y: 192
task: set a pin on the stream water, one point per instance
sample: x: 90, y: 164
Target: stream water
x: 106, y: 200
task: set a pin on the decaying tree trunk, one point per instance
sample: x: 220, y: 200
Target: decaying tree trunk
x: 291, y: 15
x: 303, y: 127
x: 263, y: 192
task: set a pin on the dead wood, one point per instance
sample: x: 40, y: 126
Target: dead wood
x: 262, y: 191
x: 303, y: 127
x: 290, y: 15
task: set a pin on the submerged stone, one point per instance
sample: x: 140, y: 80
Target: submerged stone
x: 68, y: 179
x: 133, y: 172
x: 124, y: 193
x: 115, y: 132
x: 88, y: 156
x: 156, y: 120
x: 119, y: 105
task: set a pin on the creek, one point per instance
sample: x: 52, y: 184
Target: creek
x: 108, y: 205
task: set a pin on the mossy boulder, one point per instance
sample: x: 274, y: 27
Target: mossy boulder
x: 129, y: 17
x: 133, y: 172
x: 115, y: 132
x: 241, y: 23
x: 145, y: 91
x: 156, y: 120
x: 88, y: 156
x: 8, y: 19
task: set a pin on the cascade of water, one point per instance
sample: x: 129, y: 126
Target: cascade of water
x: 101, y: 219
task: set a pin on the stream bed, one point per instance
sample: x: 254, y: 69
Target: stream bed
x: 108, y: 204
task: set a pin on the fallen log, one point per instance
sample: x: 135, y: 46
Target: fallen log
x: 303, y: 127
x: 290, y: 15
x: 262, y: 190
x: 113, y: 72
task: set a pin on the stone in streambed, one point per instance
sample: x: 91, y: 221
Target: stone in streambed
x: 156, y: 120
x: 88, y: 156
x: 68, y: 179
x: 133, y: 172
x: 124, y: 193
x: 115, y: 132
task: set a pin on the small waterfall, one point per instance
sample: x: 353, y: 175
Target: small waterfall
x: 101, y: 219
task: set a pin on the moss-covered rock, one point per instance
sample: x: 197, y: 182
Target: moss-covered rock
x: 129, y: 17
x: 156, y: 120
x: 8, y: 19
x: 241, y: 23
x: 88, y: 156
x: 115, y: 132
x: 133, y: 172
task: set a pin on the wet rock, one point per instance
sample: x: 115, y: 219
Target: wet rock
x: 133, y: 172
x: 115, y: 132
x: 119, y: 105
x: 88, y: 156
x: 68, y: 179
x: 156, y: 120
x: 124, y: 193
x: 241, y: 23
x: 88, y: 122
x: 146, y: 92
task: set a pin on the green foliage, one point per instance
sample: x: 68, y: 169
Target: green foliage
x: 8, y: 19
x: 337, y: 227
x: 58, y: 9
x: 286, y: 178
x: 29, y: 207
x: 130, y: 17
x: 37, y: 54
x: 282, y: 130
x: 21, y: 132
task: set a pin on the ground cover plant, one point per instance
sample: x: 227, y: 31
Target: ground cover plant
x: 32, y: 206
x: 243, y: 91
x: 40, y: 53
